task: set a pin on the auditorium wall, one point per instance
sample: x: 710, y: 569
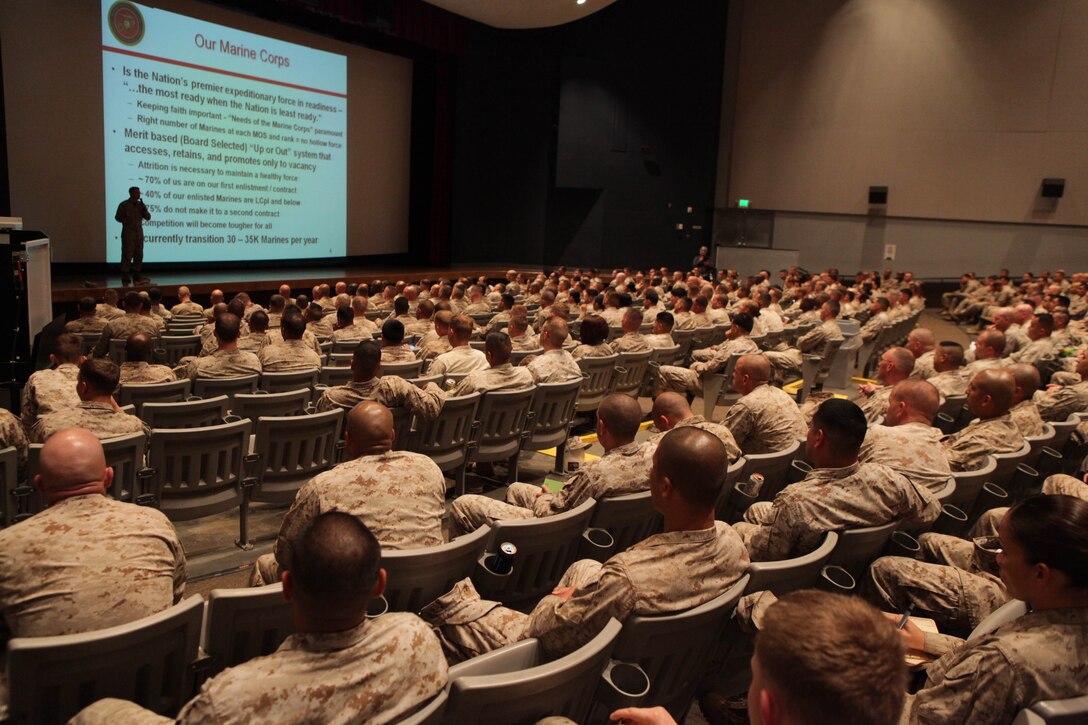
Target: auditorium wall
x: 585, y: 144
x: 959, y: 108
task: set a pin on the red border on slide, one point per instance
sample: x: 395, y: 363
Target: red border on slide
x: 221, y: 71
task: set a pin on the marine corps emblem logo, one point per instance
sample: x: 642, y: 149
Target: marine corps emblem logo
x: 126, y: 23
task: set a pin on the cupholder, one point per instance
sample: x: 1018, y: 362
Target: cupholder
x: 376, y: 607
x: 903, y: 543
x: 838, y: 577
x: 626, y: 685
x: 599, y: 538
x: 489, y: 562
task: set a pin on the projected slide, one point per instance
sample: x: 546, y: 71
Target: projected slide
x: 238, y: 142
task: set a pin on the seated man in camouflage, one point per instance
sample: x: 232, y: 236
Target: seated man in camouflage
x: 787, y: 360
x: 399, y: 495
x: 88, y: 320
x: 631, y: 340
x: 227, y: 361
x: 47, y: 391
x: 97, y: 411
x: 710, y: 360
x: 136, y: 319
x: 895, y: 366
x: 671, y: 411
x: 501, y: 375
x: 1023, y: 411
x: 989, y: 396
x: 1058, y: 402
x: 840, y: 493
x: 292, y: 353
x: 907, y: 442
x: 554, y: 365
x: 947, y: 366
x: 693, y: 561
x: 624, y: 468
x: 338, y: 666
x: 85, y: 562
x: 765, y: 419
x: 367, y: 383
x: 136, y: 370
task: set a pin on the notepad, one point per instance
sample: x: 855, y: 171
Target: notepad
x: 914, y: 658
x: 553, y: 485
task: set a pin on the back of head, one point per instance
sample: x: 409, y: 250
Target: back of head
x: 400, y: 306
x: 369, y: 429
x: 555, y: 332
x: 101, y: 376
x: 843, y: 424
x: 902, y: 361
x: 345, y: 316
x: 949, y: 356
x: 994, y: 340
x: 87, y: 306
x: 133, y: 301
x: 999, y: 385
x: 237, y: 307
x: 293, y: 325
x: 594, y: 330
x: 227, y: 326
x: 668, y: 409
x: 68, y: 348
x: 334, y: 567
x: 621, y: 415
x: 666, y: 320
x: 71, y: 460
x: 1053, y: 530
x: 756, y: 367
x: 744, y: 322
x: 276, y: 303
x: 138, y: 347
x: 365, y: 359
x: 1027, y: 380
x: 921, y: 397
x: 695, y: 462
x: 517, y: 325
x: 830, y: 658
x: 461, y: 328
x: 393, y: 331
x: 258, y: 321
x: 498, y: 347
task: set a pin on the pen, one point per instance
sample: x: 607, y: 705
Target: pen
x: 905, y: 617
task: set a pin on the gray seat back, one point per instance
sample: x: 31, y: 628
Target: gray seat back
x: 189, y: 414
x: 503, y: 418
x: 628, y: 519
x: 598, y: 376
x: 774, y: 467
x: 563, y: 687
x: 199, y: 471
x: 1072, y: 711
x: 802, y: 572
x: 634, y: 367
x: 1007, y: 463
x: 968, y: 485
x: 211, y: 387
x: 245, y: 623
x: 9, y: 481
x: 170, y: 349
x: 553, y: 410
x: 146, y: 662
x: 137, y: 394
x: 416, y: 577
x: 406, y: 370
x: 291, y: 402
x: 333, y: 376
x: 283, y: 382
x: 293, y: 449
x: 857, y: 548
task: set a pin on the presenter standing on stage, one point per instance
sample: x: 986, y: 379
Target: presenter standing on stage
x: 131, y: 213
x: 703, y: 264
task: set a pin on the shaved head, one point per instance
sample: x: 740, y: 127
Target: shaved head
x: 555, y: 332
x: 72, y: 460
x: 621, y: 415
x: 138, y: 347
x: 1027, y: 380
x: 695, y: 462
x: 920, y: 340
x: 672, y: 407
x: 758, y: 367
x: 998, y: 386
x: 369, y: 429
x: 920, y: 397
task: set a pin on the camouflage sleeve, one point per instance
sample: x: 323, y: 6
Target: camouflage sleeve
x: 29, y: 407
x: 574, y: 492
x: 426, y: 403
x: 466, y: 387
x: 200, y: 709
x: 564, y: 625
x: 978, y: 686
x: 738, y: 419
x: 324, y: 404
x: 1055, y: 406
x: 810, y: 340
x: 966, y: 453
x: 305, y: 508
x: 773, y: 541
x: 13, y: 434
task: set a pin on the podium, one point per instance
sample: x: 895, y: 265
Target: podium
x: 26, y: 287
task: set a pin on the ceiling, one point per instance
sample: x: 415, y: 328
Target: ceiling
x: 522, y: 14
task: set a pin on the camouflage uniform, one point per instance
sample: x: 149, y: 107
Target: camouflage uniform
x: 831, y: 499
x: 93, y: 324
x: 361, y: 329
x: 622, y: 470
x: 13, y: 434
x: 433, y: 348
x: 1058, y: 405
x: 1027, y: 419
x: 109, y: 312
x: 948, y: 582
x: 494, y: 323
x: 788, y: 360
x: 49, y: 391
x: 377, y: 672
x: 554, y: 366
x: 528, y: 341
x: 662, y: 340
x: 913, y: 449
x: 1036, y: 350
x: 707, y: 361
x: 503, y: 377
x: 321, y: 328
x: 397, y: 354
x: 631, y: 342
x: 254, y: 341
x: 276, y: 335
x: 121, y: 328
x: 419, y: 327
x: 969, y: 448
x: 874, y: 325
x: 391, y: 391
x: 1039, y: 656
x: 289, y: 356
x: 601, y: 349
x: 717, y: 430
x: 99, y: 418
x: 665, y: 573
x: 950, y: 382
x: 923, y: 366
x: 459, y: 360
x: 972, y: 369
x: 221, y: 364
x: 142, y: 373
x: 86, y: 563
x: 187, y: 308
x: 875, y: 406
x: 765, y: 420
x: 399, y: 495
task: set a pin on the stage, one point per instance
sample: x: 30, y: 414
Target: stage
x: 69, y: 287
